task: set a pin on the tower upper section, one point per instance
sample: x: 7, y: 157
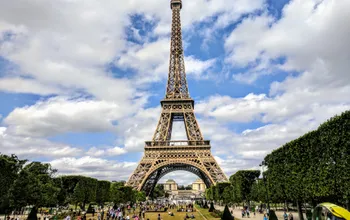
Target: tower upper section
x: 175, y: 2
x: 177, y: 84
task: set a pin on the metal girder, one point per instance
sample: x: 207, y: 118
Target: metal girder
x: 177, y: 84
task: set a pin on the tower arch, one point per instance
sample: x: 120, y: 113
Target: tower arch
x: 158, y: 172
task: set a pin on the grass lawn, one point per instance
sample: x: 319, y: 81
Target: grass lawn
x: 200, y: 214
x: 177, y: 215
x: 205, y: 213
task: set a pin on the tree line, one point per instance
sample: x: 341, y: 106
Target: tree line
x: 35, y: 184
x: 311, y: 169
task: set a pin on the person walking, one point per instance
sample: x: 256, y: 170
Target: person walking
x: 143, y: 214
x: 290, y: 216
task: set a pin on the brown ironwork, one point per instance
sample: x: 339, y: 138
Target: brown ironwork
x: 162, y: 155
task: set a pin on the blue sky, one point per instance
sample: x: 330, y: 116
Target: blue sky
x: 80, y: 84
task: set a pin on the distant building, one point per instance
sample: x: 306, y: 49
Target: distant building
x: 170, y: 185
x: 197, y: 191
x: 199, y: 185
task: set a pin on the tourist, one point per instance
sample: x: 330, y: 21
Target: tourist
x: 265, y: 217
x: 290, y: 216
x: 120, y: 215
x: 285, y: 216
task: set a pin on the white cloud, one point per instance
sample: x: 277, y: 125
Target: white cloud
x: 115, y: 151
x: 252, y: 145
x: 310, y: 33
x: 105, y: 151
x: 94, y: 167
x: 29, y: 147
x: 135, y: 130
x: 66, y: 48
x: 95, y: 152
x: 151, y: 61
x: 230, y: 165
x: 197, y: 67
x: 19, y: 85
x: 60, y: 115
x: 184, y: 178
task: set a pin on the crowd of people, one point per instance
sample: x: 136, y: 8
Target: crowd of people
x: 136, y: 211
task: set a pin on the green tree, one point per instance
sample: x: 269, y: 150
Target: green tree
x: 242, y: 182
x: 209, y: 193
x: 158, y: 191
x: 34, y: 186
x: 116, y: 195
x: 67, y: 190
x: 313, y: 167
x: 227, y: 195
x: 258, y: 192
x: 220, y: 190
x: 140, y: 196
x: 189, y: 187
x: 85, y: 191
x: 102, y: 191
x: 226, y: 215
x: 129, y: 194
x: 10, y: 166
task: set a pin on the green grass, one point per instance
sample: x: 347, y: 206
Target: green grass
x: 205, y: 213
x: 180, y: 215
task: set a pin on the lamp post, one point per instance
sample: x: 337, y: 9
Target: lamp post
x: 267, y: 190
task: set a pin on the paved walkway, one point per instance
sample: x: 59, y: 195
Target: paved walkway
x: 237, y: 213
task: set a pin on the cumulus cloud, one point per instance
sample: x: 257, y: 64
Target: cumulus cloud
x: 19, y: 85
x: 310, y: 33
x: 94, y: 167
x: 135, y: 130
x: 33, y: 148
x: 61, y: 115
x: 151, y: 61
x: 103, y: 151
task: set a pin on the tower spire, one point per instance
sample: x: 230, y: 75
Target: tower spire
x: 177, y: 87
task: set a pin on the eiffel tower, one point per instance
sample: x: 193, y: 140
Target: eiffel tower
x: 162, y: 155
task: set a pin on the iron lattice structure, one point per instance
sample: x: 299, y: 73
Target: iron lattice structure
x: 163, y: 155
